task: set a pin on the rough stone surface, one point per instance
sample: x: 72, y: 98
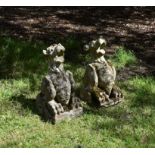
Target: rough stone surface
x: 69, y: 114
x: 57, y: 100
x: 99, y: 80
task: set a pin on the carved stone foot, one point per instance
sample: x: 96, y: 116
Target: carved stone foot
x: 75, y: 102
x: 54, y: 112
x: 54, y: 107
x: 101, y: 99
x: 58, y: 114
x: 116, y: 94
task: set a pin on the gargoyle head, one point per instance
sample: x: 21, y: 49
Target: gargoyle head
x: 96, y: 47
x: 55, y: 53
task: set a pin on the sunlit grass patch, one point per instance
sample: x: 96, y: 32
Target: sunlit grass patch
x: 144, y: 90
x: 12, y: 87
x: 124, y: 58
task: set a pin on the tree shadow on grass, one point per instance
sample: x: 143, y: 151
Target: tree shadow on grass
x: 128, y: 26
x: 18, y: 58
x: 144, y: 96
x: 28, y: 103
x: 116, y: 112
x: 131, y: 27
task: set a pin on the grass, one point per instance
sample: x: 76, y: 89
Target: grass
x: 129, y: 124
x: 123, y: 57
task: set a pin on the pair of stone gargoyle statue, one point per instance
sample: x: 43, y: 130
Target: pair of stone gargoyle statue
x: 57, y: 99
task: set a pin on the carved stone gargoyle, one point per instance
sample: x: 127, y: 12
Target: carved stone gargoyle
x: 57, y: 100
x: 99, y: 81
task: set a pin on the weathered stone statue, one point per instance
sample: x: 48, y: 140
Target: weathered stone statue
x: 99, y: 80
x: 57, y: 100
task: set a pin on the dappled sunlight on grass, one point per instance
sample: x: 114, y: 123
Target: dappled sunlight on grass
x: 123, y: 58
x: 128, y: 124
x: 144, y: 90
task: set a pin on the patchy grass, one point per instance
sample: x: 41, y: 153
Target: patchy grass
x: 129, y: 124
x: 123, y: 58
x: 20, y: 58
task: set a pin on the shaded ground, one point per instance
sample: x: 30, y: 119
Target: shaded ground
x: 132, y: 27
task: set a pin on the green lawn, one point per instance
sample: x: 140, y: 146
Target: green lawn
x: 22, y: 66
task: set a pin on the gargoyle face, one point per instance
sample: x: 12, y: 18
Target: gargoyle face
x: 96, y: 47
x: 55, y: 52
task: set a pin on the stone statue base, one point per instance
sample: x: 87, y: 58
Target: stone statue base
x: 67, y: 115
